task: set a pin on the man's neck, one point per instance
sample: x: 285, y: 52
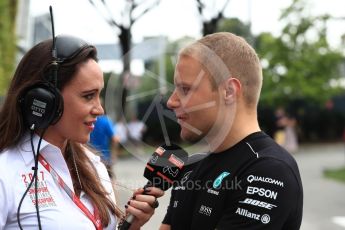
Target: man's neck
x: 240, y: 128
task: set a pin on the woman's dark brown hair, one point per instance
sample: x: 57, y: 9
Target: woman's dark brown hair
x: 32, y: 69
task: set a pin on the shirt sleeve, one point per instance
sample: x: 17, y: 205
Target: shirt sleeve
x: 268, y: 196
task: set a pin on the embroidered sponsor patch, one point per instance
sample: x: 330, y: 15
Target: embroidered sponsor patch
x: 45, y: 199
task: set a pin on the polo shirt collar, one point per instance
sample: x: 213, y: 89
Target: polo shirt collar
x: 50, y: 152
x: 46, y: 149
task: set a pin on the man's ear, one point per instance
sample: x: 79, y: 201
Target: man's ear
x: 232, y: 90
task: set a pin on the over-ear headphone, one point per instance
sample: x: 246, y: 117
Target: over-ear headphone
x: 42, y: 104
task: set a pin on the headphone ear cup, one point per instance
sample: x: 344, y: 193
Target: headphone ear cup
x: 59, y: 106
x: 41, y: 106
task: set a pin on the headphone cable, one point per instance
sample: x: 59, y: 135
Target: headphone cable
x: 34, y: 178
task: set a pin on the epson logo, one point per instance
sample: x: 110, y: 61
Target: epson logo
x: 205, y: 210
x: 262, y: 192
x: 269, y: 180
x: 258, y: 203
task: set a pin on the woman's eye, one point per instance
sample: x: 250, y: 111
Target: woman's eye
x: 89, y: 96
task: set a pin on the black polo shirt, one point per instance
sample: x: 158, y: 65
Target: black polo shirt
x: 253, y: 185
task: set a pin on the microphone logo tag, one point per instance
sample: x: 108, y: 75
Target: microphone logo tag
x: 171, y: 172
x: 176, y: 161
x: 154, y: 159
x: 38, y: 108
x: 160, y: 151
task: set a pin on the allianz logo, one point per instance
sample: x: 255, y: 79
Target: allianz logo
x: 269, y: 180
x: 265, y: 218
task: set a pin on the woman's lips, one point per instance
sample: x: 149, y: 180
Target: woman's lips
x: 90, y: 125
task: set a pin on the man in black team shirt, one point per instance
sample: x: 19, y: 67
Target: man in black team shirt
x: 247, y: 181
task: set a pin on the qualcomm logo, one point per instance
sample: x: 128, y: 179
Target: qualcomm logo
x: 269, y: 180
x: 218, y: 181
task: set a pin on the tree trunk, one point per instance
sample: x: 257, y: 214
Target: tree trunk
x: 125, y: 38
x: 210, y: 27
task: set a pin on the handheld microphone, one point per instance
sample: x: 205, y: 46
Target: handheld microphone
x: 162, y: 170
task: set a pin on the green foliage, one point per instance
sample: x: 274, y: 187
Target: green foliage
x: 236, y: 26
x: 149, y: 83
x: 8, y: 10
x: 299, y: 64
x: 148, y: 86
x: 336, y: 174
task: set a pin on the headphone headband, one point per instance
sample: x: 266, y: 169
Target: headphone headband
x: 68, y: 47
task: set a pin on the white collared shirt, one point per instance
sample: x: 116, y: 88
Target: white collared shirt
x: 57, y: 210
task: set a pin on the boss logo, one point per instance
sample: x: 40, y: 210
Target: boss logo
x: 205, y: 210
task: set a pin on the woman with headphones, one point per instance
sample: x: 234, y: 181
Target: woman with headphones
x: 49, y: 178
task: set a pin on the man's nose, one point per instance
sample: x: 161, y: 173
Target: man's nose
x: 173, y: 101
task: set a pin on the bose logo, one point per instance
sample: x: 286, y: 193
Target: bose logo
x: 262, y: 192
x: 258, y: 203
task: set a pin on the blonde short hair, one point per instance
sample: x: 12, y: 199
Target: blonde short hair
x: 226, y: 55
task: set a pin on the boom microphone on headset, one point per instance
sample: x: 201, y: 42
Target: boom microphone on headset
x: 162, y: 170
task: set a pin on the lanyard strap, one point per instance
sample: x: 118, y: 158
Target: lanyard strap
x: 94, y: 218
